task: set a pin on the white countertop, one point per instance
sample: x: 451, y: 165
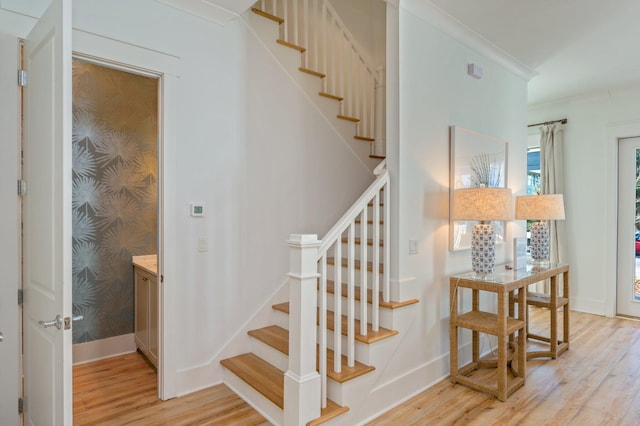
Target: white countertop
x: 147, y: 262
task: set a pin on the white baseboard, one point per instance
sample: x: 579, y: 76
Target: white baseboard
x: 589, y: 306
x: 103, y: 348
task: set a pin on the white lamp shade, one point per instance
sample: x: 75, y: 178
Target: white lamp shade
x: 482, y: 204
x: 540, y: 207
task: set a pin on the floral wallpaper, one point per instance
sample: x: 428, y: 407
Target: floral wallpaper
x: 115, y: 187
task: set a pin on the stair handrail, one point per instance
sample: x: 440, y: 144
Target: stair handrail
x: 354, y: 211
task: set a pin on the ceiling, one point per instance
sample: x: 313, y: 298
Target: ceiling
x: 575, y: 46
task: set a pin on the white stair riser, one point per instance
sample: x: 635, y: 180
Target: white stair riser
x: 264, y: 406
x: 270, y: 354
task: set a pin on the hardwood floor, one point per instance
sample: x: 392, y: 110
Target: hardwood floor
x: 122, y: 391
x: 596, y: 382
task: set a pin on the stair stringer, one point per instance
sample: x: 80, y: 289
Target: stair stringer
x: 267, y: 32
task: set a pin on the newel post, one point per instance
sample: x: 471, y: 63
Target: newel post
x: 301, y: 381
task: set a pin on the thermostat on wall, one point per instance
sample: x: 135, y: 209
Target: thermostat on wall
x: 196, y: 209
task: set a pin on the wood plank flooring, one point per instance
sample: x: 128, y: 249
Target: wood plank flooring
x: 122, y: 391
x: 596, y: 382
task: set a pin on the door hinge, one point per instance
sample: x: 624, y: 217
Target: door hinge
x: 22, y: 187
x: 20, y: 296
x: 22, y: 78
x: 20, y: 405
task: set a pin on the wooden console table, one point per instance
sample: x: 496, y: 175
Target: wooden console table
x: 509, y: 374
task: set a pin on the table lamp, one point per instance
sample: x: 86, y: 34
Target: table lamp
x: 482, y: 204
x: 540, y: 208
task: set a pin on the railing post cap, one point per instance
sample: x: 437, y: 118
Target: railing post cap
x: 303, y: 240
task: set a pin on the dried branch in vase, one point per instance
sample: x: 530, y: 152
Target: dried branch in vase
x: 485, y: 171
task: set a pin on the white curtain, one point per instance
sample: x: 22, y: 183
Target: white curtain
x: 552, y: 177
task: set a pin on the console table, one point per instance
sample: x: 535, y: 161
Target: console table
x: 509, y: 374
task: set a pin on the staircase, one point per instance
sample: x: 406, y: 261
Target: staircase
x: 327, y: 346
x: 316, y: 49
x: 326, y: 369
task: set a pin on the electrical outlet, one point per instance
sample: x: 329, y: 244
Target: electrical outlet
x: 203, y: 244
x: 413, y: 246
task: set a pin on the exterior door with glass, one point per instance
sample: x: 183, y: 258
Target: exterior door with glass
x: 628, y: 259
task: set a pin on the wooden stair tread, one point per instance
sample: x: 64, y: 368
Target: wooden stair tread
x: 264, y: 14
x: 364, y: 138
x: 345, y: 263
x: 259, y: 374
x: 291, y: 45
x: 347, y: 118
x: 330, y: 96
x: 274, y: 336
x: 357, y: 241
x: 331, y: 411
x: 379, y: 157
x: 312, y: 72
x: 387, y: 305
x: 278, y: 338
x: 371, y: 337
x: 269, y: 381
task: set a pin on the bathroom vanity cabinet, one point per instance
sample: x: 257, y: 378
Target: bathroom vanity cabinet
x: 146, y: 306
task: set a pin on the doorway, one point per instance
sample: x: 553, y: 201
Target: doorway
x: 114, y: 203
x: 628, y: 259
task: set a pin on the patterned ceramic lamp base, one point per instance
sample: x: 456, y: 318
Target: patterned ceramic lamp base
x: 540, y: 241
x: 483, y: 249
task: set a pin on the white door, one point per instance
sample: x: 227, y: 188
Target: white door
x: 10, y: 381
x: 627, y: 293
x: 47, y: 219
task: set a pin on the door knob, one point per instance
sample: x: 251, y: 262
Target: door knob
x: 57, y: 322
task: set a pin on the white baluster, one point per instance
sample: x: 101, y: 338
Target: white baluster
x: 375, y: 288
x: 387, y: 256
x: 351, y: 293
x: 363, y: 272
x: 322, y: 361
x: 337, y: 308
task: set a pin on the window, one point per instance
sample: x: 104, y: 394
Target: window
x: 533, y: 171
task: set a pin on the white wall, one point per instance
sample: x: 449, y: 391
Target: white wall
x: 435, y: 93
x: 264, y: 168
x: 590, y: 165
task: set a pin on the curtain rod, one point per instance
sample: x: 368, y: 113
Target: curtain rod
x: 562, y: 121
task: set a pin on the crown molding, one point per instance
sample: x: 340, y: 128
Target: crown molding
x: 446, y: 23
